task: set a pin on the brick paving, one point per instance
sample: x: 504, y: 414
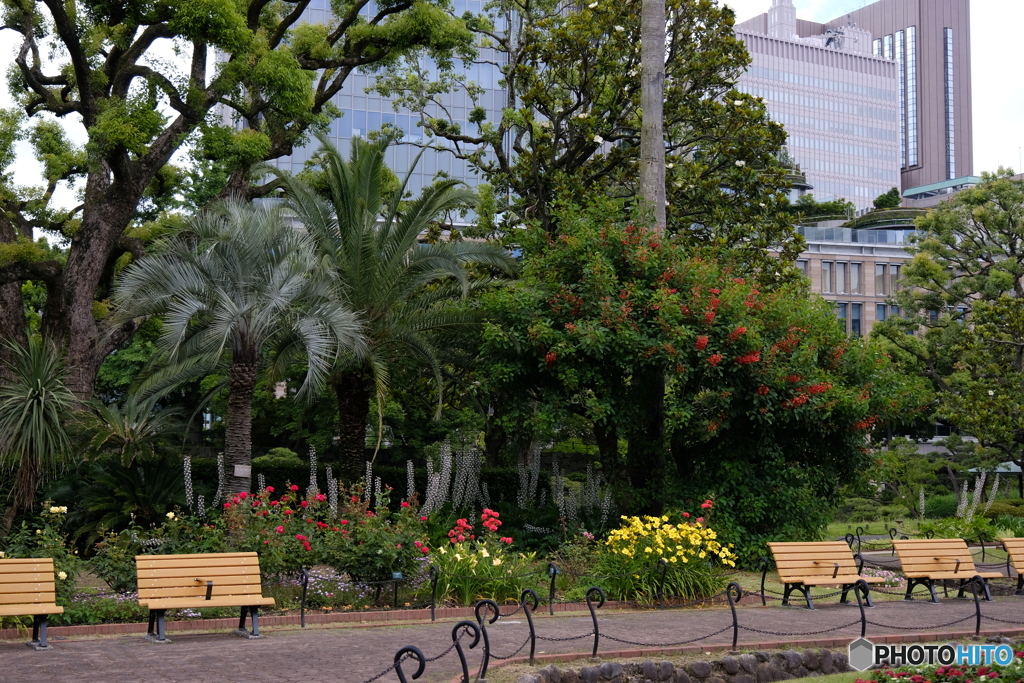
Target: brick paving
x: 354, y: 654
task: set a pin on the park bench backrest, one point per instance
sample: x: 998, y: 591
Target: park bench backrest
x: 924, y: 556
x: 823, y: 558
x: 186, y: 576
x: 1015, y: 550
x: 27, y: 582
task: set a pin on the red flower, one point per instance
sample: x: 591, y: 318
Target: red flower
x: 405, y: 504
x: 763, y: 390
x: 243, y: 495
x: 344, y: 522
x: 700, y: 520
x: 304, y: 503
x: 424, y: 550
x: 295, y: 487
x: 716, y: 291
x: 715, y: 359
x: 300, y: 537
x: 550, y: 358
x: 270, y: 489
x: 256, y: 503
x: 321, y: 497
x: 751, y: 357
x: 702, y: 342
x: 418, y: 544
x: 274, y: 502
x: 737, y: 333
x: 334, y: 528
x: 706, y: 504
x: 369, y: 513
x: 280, y: 529
x: 288, y: 512
x: 227, y: 506
x: 423, y: 518
x: 686, y: 514
x: 307, y: 546
x: 709, y: 317
x: 321, y: 525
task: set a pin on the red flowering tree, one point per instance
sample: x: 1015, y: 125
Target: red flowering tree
x: 717, y: 384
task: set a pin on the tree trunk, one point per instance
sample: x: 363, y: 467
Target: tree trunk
x: 353, y: 389
x: 24, y: 493
x: 607, y: 438
x: 646, y: 455
x: 652, y: 97
x: 238, y: 432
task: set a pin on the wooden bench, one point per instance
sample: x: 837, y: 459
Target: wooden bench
x: 27, y: 588
x: 825, y: 563
x: 203, y: 580
x: 927, y: 560
x: 1015, y: 555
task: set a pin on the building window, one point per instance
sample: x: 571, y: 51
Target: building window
x: 876, y: 47
x: 887, y: 46
x: 802, y: 267
x: 880, y: 312
x: 826, y: 276
x: 841, y: 314
x: 901, y: 70
x: 894, y: 278
x: 912, y: 96
x: 855, y: 315
x: 855, y: 280
x: 841, y: 278
x: 881, y: 288
x: 894, y: 311
x: 947, y: 35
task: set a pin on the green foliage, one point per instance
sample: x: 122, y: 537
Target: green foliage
x: 808, y: 207
x: 43, y: 537
x: 957, y: 527
x: 938, y: 507
x: 136, y: 430
x: 888, y: 200
x: 34, y: 408
x: 1011, y: 507
x: 279, y: 457
x: 572, y: 128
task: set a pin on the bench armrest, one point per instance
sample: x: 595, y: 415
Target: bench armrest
x: 955, y: 559
x: 209, y: 587
x: 835, y: 572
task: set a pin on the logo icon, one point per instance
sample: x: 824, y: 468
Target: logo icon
x: 862, y: 654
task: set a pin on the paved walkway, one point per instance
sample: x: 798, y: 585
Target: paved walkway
x: 354, y: 654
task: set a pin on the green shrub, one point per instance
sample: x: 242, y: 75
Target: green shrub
x: 1011, y: 507
x: 1009, y: 526
x: 955, y: 527
x: 280, y: 457
x: 939, y: 507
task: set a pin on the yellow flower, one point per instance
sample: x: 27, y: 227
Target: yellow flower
x: 62, y: 575
x: 484, y: 553
x: 496, y: 561
x: 170, y: 515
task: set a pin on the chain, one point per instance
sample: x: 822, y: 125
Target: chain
x: 1005, y: 621
x: 796, y: 594
x: 681, y: 642
x: 514, y: 653
x: 512, y: 613
x: 385, y: 671
x: 450, y: 648
x: 562, y: 640
x: 809, y: 633
x: 912, y: 628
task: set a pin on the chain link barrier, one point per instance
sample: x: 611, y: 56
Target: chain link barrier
x: 681, y: 642
x: 920, y: 628
x: 563, y: 640
x: 518, y: 650
x: 809, y: 633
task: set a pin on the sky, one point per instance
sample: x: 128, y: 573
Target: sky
x: 998, y: 91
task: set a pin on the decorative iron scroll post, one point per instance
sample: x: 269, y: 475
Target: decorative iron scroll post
x: 861, y: 586
x: 302, y: 606
x: 469, y: 626
x: 765, y: 564
x: 975, y: 583
x: 480, y: 619
x: 663, y: 565
x: 733, y: 586
x: 420, y: 659
x: 434, y: 576
x: 593, y: 615
x: 553, y: 571
x: 529, y: 609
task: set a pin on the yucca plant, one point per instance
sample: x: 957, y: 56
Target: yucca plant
x: 368, y: 240
x: 34, y: 409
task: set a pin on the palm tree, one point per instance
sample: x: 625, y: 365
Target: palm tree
x: 232, y: 284
x: 136, y: 429
x: 34, y: 407
x: 368, y: 240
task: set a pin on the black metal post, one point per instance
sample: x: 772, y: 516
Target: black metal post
x: 420, y: 659
x: 302, y: 606
x: 593, y: 615
x: 892, y: 537
x: 456, y: 638
x: 395, y: 602
x: 528, y: 609
x: 981, y: 540
x: 861, y: 585
x: 434, y: 576
x: 974, y: 583
x: 764, y: 566
x: 849, y: 539
x: 929, y: 534
x: 663, y: 563
x: 483, y: 621
x: 732, y: 605
x: 552, y: 572
x: 860, y: 544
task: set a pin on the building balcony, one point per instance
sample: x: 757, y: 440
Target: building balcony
x: 822, y: 233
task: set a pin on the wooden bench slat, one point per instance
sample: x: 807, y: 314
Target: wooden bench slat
x: 27, y: 577
x: 26, y: 598
x: 838, y: 580
x: 197, y: 591
x: 28, y: 587
x: 29, y: 610
x: 172, y: 582
x: 192, y: 556
x: 177, y: 603
x: 185, y: 564
x: 193, y: 572
x: 34, y: 568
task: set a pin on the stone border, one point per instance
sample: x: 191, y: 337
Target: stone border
x: 768, y: 645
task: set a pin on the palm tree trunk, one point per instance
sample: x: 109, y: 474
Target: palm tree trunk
x: 238, y: 434
x: 652, y: 93
x: 353, y: 389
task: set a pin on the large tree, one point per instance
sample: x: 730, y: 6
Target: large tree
x: 962, y: 305
x: 237, y: 285
x: 569, y: 124
x: 403, y: 290
x: 254, y: 77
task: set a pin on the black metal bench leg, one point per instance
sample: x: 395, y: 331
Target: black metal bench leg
x: 988, y: 592
x: 241, y: 621
x: 867, y: 597
x: 161, y: 631
x: 35, y: 630
x: 255, y: 621
x: 807, y: 597
x: 910, y: 590
x: 786, y: 590
x: 152, y: 624
x: 931, y: 589
x: 960, y: 591
x: 1020, y: 583
x: 42, y: 624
